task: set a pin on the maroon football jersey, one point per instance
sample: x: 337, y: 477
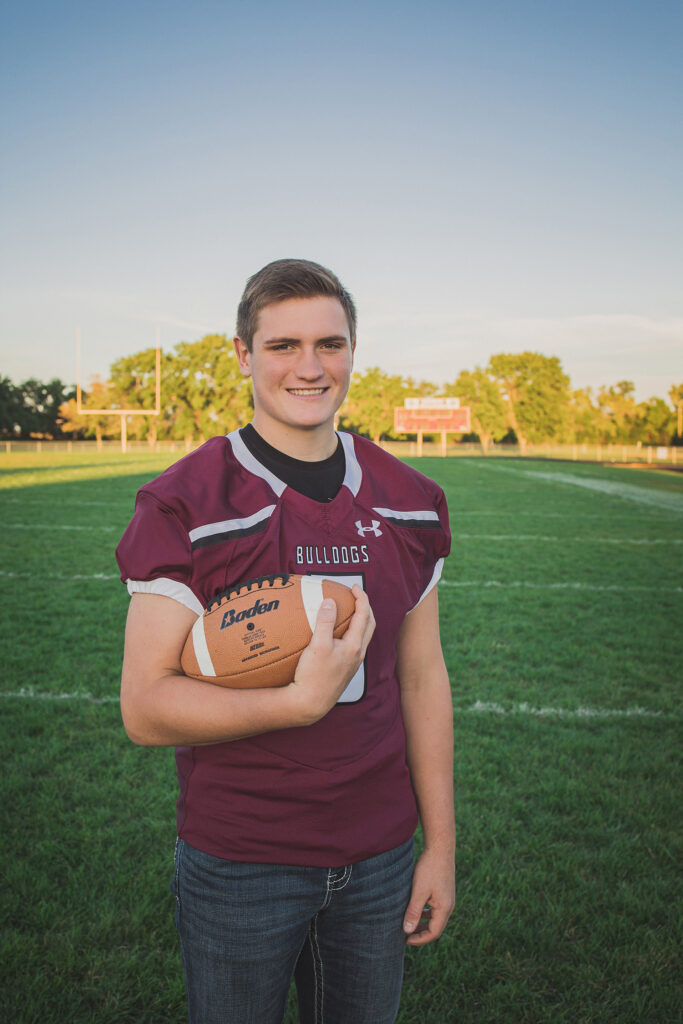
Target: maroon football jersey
x: 338, y: 791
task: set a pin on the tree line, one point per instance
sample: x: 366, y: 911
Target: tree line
x: 523, y: 398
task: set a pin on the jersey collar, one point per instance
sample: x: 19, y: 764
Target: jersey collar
x: 353, y: 475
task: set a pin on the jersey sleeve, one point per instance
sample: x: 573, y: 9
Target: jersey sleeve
x: 437, y: 545
x: 155, y: 555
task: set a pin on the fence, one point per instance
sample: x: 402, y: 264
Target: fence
x: 656, y: 455
x: 616, y: 453
x: 74, y: 447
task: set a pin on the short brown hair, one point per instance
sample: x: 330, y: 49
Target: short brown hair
x: 289, y: 279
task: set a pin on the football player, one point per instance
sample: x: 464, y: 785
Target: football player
x: 298, y: 805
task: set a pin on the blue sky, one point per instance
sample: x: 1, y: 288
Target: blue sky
x: 483, y: 177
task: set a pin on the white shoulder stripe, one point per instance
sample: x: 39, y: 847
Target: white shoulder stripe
x: 231, y: 525
x: 166, y: 588
x: 392, y: 513
x: 250, y: 463
x: 353, y: 476
x: 436, y: 576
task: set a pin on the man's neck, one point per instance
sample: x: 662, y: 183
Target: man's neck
x: 308, y: 445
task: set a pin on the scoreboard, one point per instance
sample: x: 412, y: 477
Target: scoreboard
x: 432, y: 416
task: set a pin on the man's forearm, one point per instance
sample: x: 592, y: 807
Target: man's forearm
x: 428, y: 717
x: 175, y: 710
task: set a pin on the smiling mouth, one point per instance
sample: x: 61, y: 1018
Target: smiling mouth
x: 306, y: 392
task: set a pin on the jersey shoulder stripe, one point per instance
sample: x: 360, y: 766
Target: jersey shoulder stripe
x: 229, y: 529
x: 422, y: 519
x: 251, y: 463
x: 353, y: 477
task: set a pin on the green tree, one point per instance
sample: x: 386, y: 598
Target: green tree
x: 655, y: 423
x: 99, y: 396
x: 536, y: 394
x: 487, y: 409
x: 207, y: 393
x: 619, y: 408
x: 132, y: 385
x: 202, y: 390
x: 13, y: 416
x: 41, y: 407
x: 373, y: 396
x: 676, y: 398
x: 586, y: 421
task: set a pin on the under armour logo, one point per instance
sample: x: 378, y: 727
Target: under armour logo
x: 362, y: 530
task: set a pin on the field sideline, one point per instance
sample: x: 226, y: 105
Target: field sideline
x: 561, y: 608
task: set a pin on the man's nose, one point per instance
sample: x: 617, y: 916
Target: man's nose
x: 308, y: 364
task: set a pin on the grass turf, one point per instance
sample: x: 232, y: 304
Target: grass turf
x: 560, y: 608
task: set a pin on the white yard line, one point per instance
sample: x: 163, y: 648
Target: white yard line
x: 66, y: 501
x: 29, y: 694
x: 609, y: 514
x: 128, y: 505
x: 460, y: 536
x: 58, y: 576
x: 516, y: 584
x: 567, y: 540
x: 492, y: 708
x: 669, y: 501
x: 479, y: 707
x: 54, y: 526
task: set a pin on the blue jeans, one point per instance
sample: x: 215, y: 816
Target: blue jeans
x: 247, y: 929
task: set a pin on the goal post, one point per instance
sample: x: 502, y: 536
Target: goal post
x: 122, y: 413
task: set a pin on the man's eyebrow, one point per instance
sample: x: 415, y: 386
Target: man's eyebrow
x: 297, y: 341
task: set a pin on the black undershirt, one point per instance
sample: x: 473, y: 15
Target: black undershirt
x: 317, y: 480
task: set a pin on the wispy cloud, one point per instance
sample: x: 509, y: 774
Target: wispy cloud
x: 490, y: 320
x: 169, y: 320
x: 594, y: 348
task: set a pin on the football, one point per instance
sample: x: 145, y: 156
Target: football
x: 253, y: 634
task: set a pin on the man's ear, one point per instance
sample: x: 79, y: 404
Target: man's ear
x: 243, y: 355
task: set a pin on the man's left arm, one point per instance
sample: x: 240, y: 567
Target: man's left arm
x: 428, y: 715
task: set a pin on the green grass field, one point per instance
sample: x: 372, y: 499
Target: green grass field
x: 561, y: 622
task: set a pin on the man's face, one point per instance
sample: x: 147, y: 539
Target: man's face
x: 300, y: 365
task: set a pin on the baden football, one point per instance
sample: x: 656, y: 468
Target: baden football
x: 253, y: 634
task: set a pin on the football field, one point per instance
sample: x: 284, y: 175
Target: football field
x: 561, y: 610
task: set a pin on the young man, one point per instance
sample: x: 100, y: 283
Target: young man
x: 298, y: 805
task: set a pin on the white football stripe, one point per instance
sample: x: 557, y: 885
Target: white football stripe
x: 200, y: 648
x: 312, y: 597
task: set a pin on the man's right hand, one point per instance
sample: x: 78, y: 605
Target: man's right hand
x: 328, y: 664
